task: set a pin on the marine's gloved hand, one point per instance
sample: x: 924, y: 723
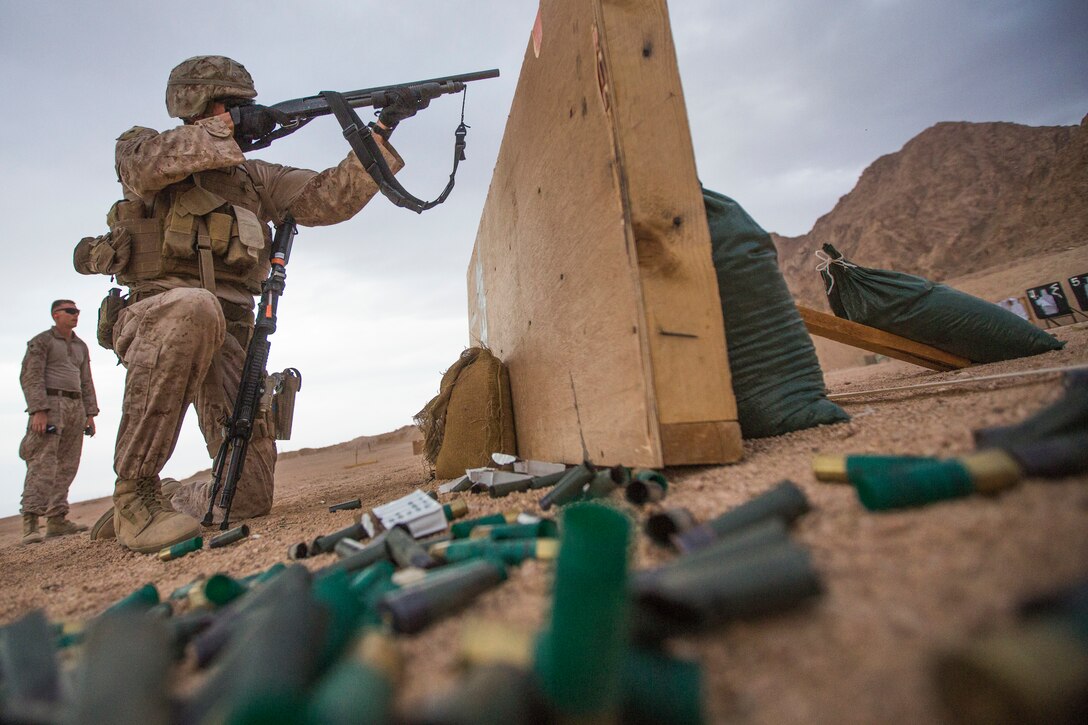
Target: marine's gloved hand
x: 404, y: 104
x: 252, y: 121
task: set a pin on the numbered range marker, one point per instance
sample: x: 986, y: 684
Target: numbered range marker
x: 1049, y: 301
x: 1080, y: 290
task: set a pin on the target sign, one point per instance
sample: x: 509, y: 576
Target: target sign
x: 1080, y: 290
x: 1048, y: 301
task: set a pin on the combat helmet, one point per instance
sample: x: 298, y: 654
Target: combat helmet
x: 204, y: 78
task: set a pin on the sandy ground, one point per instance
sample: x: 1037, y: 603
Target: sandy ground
x: 899, y: 586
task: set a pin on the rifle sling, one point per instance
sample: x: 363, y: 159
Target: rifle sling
x: 362, y: 141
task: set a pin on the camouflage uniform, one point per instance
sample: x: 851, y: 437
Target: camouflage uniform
x: 180, y: 343
x: 56, y: 378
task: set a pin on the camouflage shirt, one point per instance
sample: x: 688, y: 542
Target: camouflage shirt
x: 57, y: 363
x: 147, y: 162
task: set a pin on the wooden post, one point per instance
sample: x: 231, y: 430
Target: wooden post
x: 591, y: 277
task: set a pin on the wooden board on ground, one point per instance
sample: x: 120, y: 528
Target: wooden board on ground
x: 591, y: 277
x: 879, y: 341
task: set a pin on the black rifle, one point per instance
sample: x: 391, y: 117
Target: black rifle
x: 292, y: 115
x: 232, y: 453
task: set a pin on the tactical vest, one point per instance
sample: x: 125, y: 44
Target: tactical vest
x: 205, y: 227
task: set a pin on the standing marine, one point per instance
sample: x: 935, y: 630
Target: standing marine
x: 59, y: 391
x: 191, y: 240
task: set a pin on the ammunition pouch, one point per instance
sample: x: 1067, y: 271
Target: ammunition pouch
x: 106, y: 254
x: 280, y: 390
x: 203, y: 228
x: 108, y: 312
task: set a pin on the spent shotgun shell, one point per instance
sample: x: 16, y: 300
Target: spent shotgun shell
x: 462, y: 529
x: 412, y: 608
x: 601, y: 485
x: 456, y: 509
x: 229, y: 537
x: 647, y: 486
x: 405, y: 551
x: 785, y: 501
x: 660, y: 527
x: 568, y: 488
x: 325, y: 544
x: 298, y: 551
x: 179, y: 550
x: 511, y: 552
x: 346, y: 505
x: 347, y: 547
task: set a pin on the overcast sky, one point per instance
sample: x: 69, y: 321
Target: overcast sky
x: 788, y: 103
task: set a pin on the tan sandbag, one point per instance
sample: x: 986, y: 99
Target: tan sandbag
x: 471, y: 417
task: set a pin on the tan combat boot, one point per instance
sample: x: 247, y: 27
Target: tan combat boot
x: 142, y: 523
x: 60, y: 526
x: 31, y: 535
x: 103, y: 527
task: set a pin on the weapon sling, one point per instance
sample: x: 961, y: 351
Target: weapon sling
x: 362, y: 141
x: 231, y: 457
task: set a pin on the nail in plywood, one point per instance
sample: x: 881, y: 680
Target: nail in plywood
x: 591, y: 277
x: 879, y: 341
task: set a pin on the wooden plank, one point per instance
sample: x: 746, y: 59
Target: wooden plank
x: 605, y: 342
x: 879, y: 341
x: 640, y: 83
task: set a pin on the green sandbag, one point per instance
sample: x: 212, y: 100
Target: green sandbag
x: 777, y: 379
x: 930, y: 313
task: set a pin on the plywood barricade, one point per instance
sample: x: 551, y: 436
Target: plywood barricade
x: 591, y: 277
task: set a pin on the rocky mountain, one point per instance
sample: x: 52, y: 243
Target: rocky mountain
x: 956, y: 199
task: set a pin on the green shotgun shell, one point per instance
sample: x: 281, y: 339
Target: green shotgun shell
x: 647, y: 486
x: 511, y: 552
x: 579, y: 655
x: 456, y: 509
x: 179, y: 550
x: 405, y: 551
x: 543, y: 529
x: 346, y: 505
x: 347, y: 547
x: 221, y: 589
x: 662, y: 526
x: 601, y: 485
x: 785, y: 501
x: 412, y: 608
x: 569, y: 488
x: 462, y: 529
x: 658, y: 688
x: 831, y: 468
x: 142, y: 599
x: 262, y: 576
x: 989, y: 471
x: 361, y: 686
x: 229, y: 537
x: 374, y: 551
x: 325, y: 544
x: 546, y: 481
x: 738, y: 584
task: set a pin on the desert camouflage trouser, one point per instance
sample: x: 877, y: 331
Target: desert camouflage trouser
x: 177, y: 351
x: 53, y: 458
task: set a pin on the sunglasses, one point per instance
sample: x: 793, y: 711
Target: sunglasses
x: 69, y: 310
